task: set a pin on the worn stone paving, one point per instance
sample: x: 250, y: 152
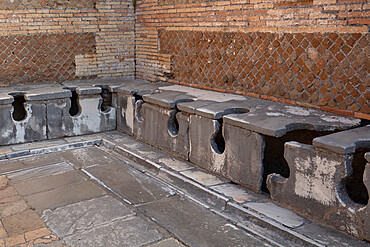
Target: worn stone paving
x: 94, y: 196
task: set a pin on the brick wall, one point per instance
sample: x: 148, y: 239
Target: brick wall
x: 58, y: 40
x: 307, y: 52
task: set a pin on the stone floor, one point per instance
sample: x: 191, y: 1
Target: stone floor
x: 110, y: 190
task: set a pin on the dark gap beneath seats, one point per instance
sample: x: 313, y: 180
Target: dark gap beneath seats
x: 173, y: 123
x: 355, y: 186
x: 137, y: 97
x: 19, y: 111
x: 138, y: 103
x: 274, y: 161
x: 217, y: 139
x: 106, y: 94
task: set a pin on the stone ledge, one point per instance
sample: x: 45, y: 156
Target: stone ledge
x: 345, y: 142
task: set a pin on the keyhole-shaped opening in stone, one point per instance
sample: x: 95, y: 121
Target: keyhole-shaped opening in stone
x: 217, y: 139
x: 19, y: 111
x: 75, y: 108
x: 173, y: 124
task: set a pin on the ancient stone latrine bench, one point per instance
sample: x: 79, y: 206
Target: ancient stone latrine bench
x: 52, y: 112
x: 329, y: 180
x: 311, y: 161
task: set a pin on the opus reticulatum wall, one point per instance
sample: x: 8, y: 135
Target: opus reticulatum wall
x: 54, y: 41
x: 306, y: 52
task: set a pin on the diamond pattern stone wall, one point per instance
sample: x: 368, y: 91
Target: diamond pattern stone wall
x: 324, y: 69
x: 42, y: 57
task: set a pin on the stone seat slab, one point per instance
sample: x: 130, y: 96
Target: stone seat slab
x: 276, y: 119
x: 139, y: 87
x: 5, y: 99
x: 47, y: 93
x: 168, y: 99
x: 202, y: 94
x: 219, y: 109
x: 83, y: 88
x: 191, y: 107
x: 345, y: 142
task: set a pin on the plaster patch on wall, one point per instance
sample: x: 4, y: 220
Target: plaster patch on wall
x: 314, y: 179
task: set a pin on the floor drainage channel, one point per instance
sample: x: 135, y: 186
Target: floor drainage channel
x: 155, y: 168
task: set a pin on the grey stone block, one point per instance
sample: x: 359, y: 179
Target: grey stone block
x: 32, y: 128
x: 196, y: 226
x: 163, y: 128
x: 125, y: 113
x: 89, y: 119
x: 57, y: 114
x: 345, y: 142
x: 85, y: 90
x: 128, y: 97
x: 242, y: 158
x: 48, y: 93
x: 316, y: 186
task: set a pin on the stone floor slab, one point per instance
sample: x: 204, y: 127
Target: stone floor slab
x: 195, y: 226
x: 22, y: 222
x: 11, y: 165
x: 40, y: 160
x: 10, y: 208
x: 3, y: 233
x: 46, y: 183
x: 86, y: 157
x: 280, y: 214
x: 64, y: 195
x: 130, y: 183
x: 85, y: 215
x: 171, y: 242
x: 131, y: 233
x: 39, y: 172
